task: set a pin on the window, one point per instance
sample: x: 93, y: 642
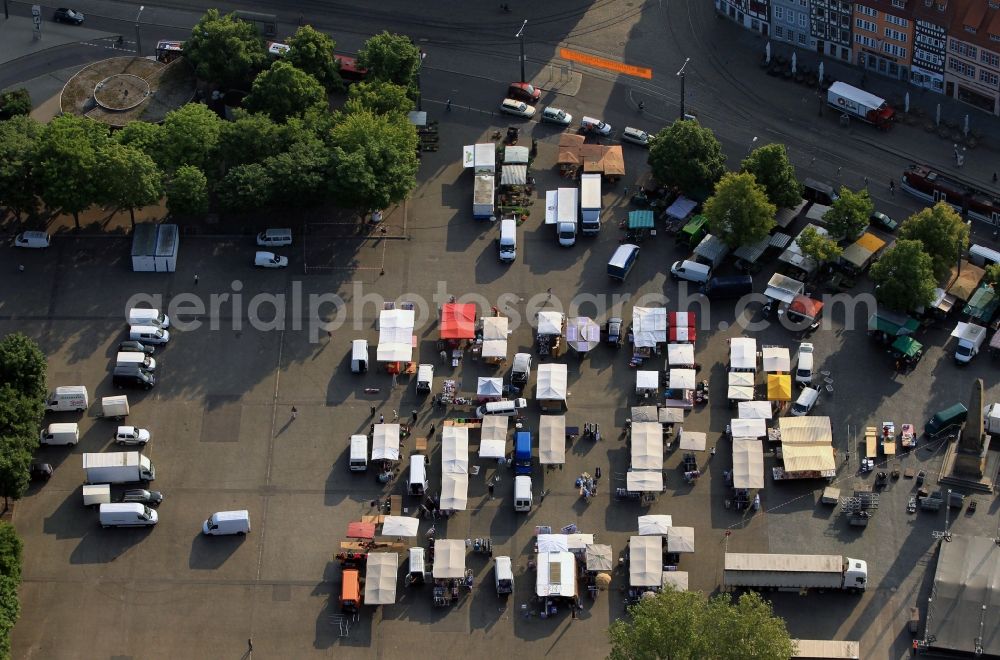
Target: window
x: 990, y: 58
x: 895, y: 35
x: 894, y: 50
x: 970, y: 29
x: 779, y: 13
x: 963, y: 49
x: 867, y: 42
x: 867, y: 11
x: 802, y: 39
x: 995, y: 37
x: 899, y: 4
x: 962, y: 67
x: 779, y: 31
x: 868, y: 26
x: 802, y: 20
x: 896, y: 20
x: 988, y: 77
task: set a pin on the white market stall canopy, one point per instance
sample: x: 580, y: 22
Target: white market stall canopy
x: 449, y: 558
x: 489, y: 386
x: 516, y: 155
x: 682, y: 379
x: 454, y: 492
x: 743, y: 353
x: 777, y: 358
x: 737, y: 393
x: 647, y: 380
x: 645, y: 561
x: 513, y: 175
x: 806, y: 444
x: 647, y: 446
x: 599, y: 557
x: 552, y: 543
x: 495, y: 332
x: 583, y: 333
x: 552, y: 382
x: 680, y: 354
x: 643, y: 414
x: 400, y: 526
x: 395, y: 335
x: 380, y: 578
x: 385, y: 442
x: 676, y: 580
x: 493, y: 436
x: 655, y: 525
x: 578, y: 542
x: 754, y: 409
x: 783, y: 288
x: 556, y: 575
x: 671, y: 415
x: 649, y: 326
x: 644, y: 481
x: 550, y: 323
x: 680, y: 539
x: 552, y: 440
x: 748, y: 463
x: 693, y: 441
x: 481, y: 157
x: 455, y: 450
x: 741, y: 379
x: 747, y: 428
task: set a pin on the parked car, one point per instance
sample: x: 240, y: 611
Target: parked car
x: 131, y: 346
x: 522, y: 91
x: 557, y: 116
x: 71, y: 16
x: 636, y: 136
x: 594, y: 125
x: 131, y: 435
x: 40, y: 471
x: 32, y: 239
x: 613, y: 331
x: 137, y: 379
x: 880, y: 219
x: 518, y: 108
x: 269, y: 260
x: 143, y: 496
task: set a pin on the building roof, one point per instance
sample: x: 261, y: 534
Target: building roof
x: 938, y: 12
x: 978, y: 15
x: 966, y: 603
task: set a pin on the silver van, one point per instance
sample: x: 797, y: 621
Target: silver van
x: 359, y: 356
x: 692, y: 271
x: 505, y: 407
x: 60, y: 434
x: 508, y: 240
x: 145, y: 316
x: 139, y: 360
x: 418, y: 475
x: 274, y: 237
x: 622, y: 260
x: 504, y: 573
x: 594, y: 125
x: 636, y: 136
x: 522, y: 493
x: 149, y: 334
x: 222, y: 523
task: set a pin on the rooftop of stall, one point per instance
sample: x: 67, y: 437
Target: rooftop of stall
x: 155, y: 247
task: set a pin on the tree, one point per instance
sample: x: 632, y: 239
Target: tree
x: 374, y: 160
x: 14, y: 103
x: 128, y: 178
x: 187, y: 192
x: 941, y: 232
x: 312, y: 51
x: 818, y: 246
x: 302, y: 171
x: 190, y: 137
x: 904, y: 276
x: 269, y: 138
x: 11, y: 551
x: 739, y: 212
x: 284, y: 91
x: 225, y: 50
x: 18, y: 143
x: 246, y: 187
x: 849, y: 214
x: 685, y: 625
x: 992, y: 276
x: 772, y: 169
x: 146, y: 137
x: 688, y: 156
x: 391, y: 57
x: 66, y: 163
x: 15, y: 459
x: 23, y: 366
x: 378, y: 96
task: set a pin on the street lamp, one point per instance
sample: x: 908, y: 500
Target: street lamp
x: 138, y: 42
x: 420, y: 93
x: 752, y: 142
x: 520, y: 37
x: 680, y: 74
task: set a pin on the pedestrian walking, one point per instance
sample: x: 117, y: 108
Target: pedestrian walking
x: 994, y: 177
x: 490, y: 488
x: 196, y: 280
x: 431, y: 431
x: 448, y: 105
x: 249, y: 645
x: 414, y: 416
x: 597, y: 474
x: 892, y: 187
x: 373, y: 410
x: 395, y: 416
x: 713, y: 451
x: 295, y: 412
x: 866, y: 182
x: 381, y: 419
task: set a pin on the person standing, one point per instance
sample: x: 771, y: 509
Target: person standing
x: 381, y: 419
x: 431, y: 431
x: 414, y: 416
x: 373, y: 410
x: 295, y: 412
x: 491, y: 487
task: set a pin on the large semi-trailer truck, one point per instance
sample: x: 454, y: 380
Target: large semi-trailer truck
x: 119, y: 467
x: 794, y: 572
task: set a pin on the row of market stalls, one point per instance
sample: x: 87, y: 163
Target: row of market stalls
x: 454, y: 469
x: 577, y: 157
x: 743, y: 367
x: 653, y: 556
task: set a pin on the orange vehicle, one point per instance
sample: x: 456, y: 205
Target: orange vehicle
x: 350, y: 590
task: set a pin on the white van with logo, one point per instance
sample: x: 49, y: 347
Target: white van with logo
x: 506, y: 407
x: 127, y: 514
x: 149, y: 334
x: 143, y: 316
x: 223, y: 523
x: 358, y: 461
x: 522, y: 493
x: 417, y: 484
x: 137, y: 360
x: 69, y: 397
x: 508, y: 240
x: 60, y: 434
x: 692, y: 271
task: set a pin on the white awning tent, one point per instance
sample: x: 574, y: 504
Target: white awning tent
x: 754, y: 409
x: 555, y: 575
x: 552, y: 382
x: 647, y: 446
x: 671, y: 415
x: 740, y: 393
x: 693, y: 441
x: 748, y: 463
x: 495, y: 332
x: 400, y: 526
x: 643, y: 414
x: 806, y: 444
x: 680, y: 354
x: 454, y: 492
x: 683, y: 379
x: 481, y: 157
x: 395, y: 335
x: 582, y: 333
x: 741, y: 379
x: 381, y: 572
x: 552, y: 543
x: 680, y: 539
x: 777, y: 359
x: 649, y: 326
x: 599, y: 557
x: 578, y: 541
x: 449, y: 558
x: 552, y: 440
x: 747, y: 428
x: 455, y: 450
x: 743, y: 354
x: 782, y: 288
x: 489, y: 387
x: 644, y: 481
x: 385, y: 442
x: 655, y: 525
x: 676, y: 580
x: 516, y: 155
x: 493, y: 436
x: 645, y: 561
x: 550, y: 323
x: 647, y: 381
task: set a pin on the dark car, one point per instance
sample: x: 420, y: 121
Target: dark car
x: 137, y: 379
x: 131, y: 346
x: 523, y: 91
x: 40, y: 471
x: 882, y: 220
x: 613, y: 331
x: 143, y: 496
x: 64, y: 15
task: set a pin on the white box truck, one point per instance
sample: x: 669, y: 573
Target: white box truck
x: 119, y: 467
x: 483, y: 194
x: 970, y: 339
x: 991, y: 419
x: 590, y: 204
x: 567, y: 211
x: 860, y: 104
x: 794, y: 572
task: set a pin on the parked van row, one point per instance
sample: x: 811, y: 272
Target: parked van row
x: 134, y: 365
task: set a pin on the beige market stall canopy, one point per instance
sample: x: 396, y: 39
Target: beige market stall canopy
x: 655, y: 525
x: 552, y: 440
x: 644, y: 481
x: 380, y: 578
x: 552, y: 382
x: 676, y: 580
x: 748, y: 463
x: 647, y: 446
x: 754, y: 409
x: 680, y: 354
x: 644, y: 414
x: 449, y: 558
x: 400, y: 526
x: 385, y: 442
x: 776, y: 358
x: 455, y: 450
x: 493, y: 436
x: 599, y: 557
x: 454, y: 492
x: 747, y: 428
x: 395, y: 335
x: 693, y: 441
x: 495, y: 332
x: 680, y: 539
x: 743, y: 354
x: 645, y: 561
x: 806, y: 444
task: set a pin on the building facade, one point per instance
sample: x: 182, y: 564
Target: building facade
x: 751, y: 14
x: 972, y: 64
x: 883, y: 37
x: 830, y: 27
x: 790, y: 23
x: 931, y: 19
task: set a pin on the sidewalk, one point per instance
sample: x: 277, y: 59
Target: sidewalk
x: 17, y: 37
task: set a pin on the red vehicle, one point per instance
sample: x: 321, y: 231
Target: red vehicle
x: 523, y: 91
x: 349, y: 69
x: 933, y: 186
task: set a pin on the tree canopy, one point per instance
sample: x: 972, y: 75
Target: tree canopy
x: 18, y: 145
x: 246, y: 187
x: 688, y: 156
x: 942, y: 234
x: 284, y: 91
x: 992, y: 276
x: 849, y: 214
x: 66, y: 163
x: 225, y: 50
x: 739, y: 212
x: 772, y: 169
x: 14, y: 103
x: 313, y: 52
x: 302, y: 170
x: 391, y: 57
x: 191, y: 137
x: 685, y: 625
x: 129, y: 179
x: 379, y: 96
x: 187, y: 192
x: 22, y: 364
x: 904, y: 276
x: 816, y: 245
x: 11, y: 551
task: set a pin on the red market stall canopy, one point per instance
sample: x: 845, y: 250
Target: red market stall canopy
x: 458, y: 321
x: 360, y: 530
x: 806, y: 307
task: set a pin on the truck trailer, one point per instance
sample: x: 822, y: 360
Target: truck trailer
x: 120, y: 467
x: 794, y: 572
x: 860, y: 104
x: 566, y: 216
x: 590, y: 204
x: 483, y: 195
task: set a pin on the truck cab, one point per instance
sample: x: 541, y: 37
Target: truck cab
x: 522, y: 453
x: 855, y: 574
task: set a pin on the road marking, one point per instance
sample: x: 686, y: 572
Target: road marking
x: 609, y: 65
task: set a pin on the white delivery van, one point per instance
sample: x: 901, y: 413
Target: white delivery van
x: 148, y: 334
x: 622, y: 260
x: 522, y: 493
x: 425, y: 378
x: 32, y: 239
x: 227, y: 522
x: 506, y: 407
x: 143, y: 316
x: 418, y: 567
x: 60, y: 434
x: 96, y: 494
x: 807, y: 399
x: 359, y: 453
x: 359, y: 356
x: 418, y: 475
x: 137, y: 360
x: 508, y: 240
x: 70, y: 397
x: 804, y: 366
x: 274, y: 237
x: 127, y: 514
x: 504, y: 573
x: 692, y: 271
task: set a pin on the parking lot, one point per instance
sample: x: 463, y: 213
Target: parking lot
x: 224, y: 438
